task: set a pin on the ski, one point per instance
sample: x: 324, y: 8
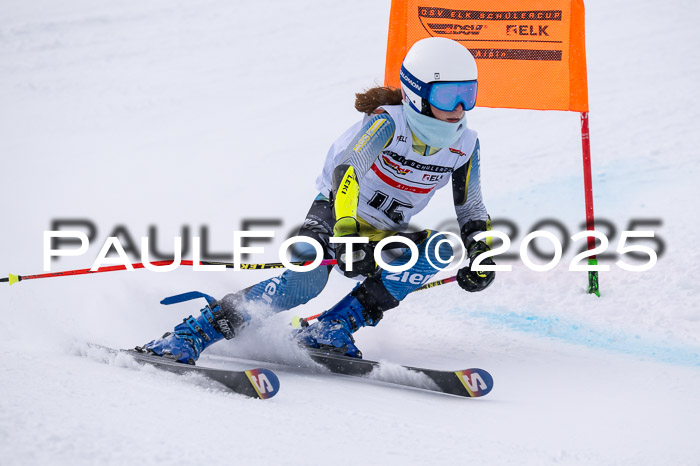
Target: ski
x: 467, y: 383
x: 255, y: 383
x: 470, y: 383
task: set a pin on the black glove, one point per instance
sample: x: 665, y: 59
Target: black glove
x: 473, y: 280
x: 362, y: 258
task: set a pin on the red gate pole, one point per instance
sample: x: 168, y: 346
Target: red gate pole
x: 588, y: 187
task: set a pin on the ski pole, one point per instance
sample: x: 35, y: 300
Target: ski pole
x: 12, y: 278
x: 298, y: 322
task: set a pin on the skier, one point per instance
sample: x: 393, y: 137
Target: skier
x: 376, y: 176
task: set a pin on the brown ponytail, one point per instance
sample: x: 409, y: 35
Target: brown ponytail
x: 368, y: 101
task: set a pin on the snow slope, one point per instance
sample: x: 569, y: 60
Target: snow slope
x: 184, y: 114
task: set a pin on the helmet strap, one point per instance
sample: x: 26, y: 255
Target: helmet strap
x: 425, y: 108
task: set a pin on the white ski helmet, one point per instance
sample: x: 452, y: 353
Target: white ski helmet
x: 441, y: 72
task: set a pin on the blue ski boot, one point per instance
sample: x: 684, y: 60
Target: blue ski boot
x: 187, y: 341
x: 333, y: 331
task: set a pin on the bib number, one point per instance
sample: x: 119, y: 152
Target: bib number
x: 379, y: 200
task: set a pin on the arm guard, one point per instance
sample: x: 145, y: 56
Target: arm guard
x: 347, y: 193
x: 473, y: 228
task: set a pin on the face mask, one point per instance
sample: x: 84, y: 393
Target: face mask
x: 434, y: 132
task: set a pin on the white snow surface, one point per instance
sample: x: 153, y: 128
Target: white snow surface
x: 207, y: 113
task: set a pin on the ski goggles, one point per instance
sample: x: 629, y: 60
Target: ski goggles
x: 442, y: 95
x: 447, y: 96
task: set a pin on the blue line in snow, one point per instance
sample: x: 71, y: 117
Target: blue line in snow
x: 580, y: 334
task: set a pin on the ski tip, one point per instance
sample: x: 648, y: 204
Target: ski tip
x: 12, y: 278
x: 264, y: 381
x: 477, y: 382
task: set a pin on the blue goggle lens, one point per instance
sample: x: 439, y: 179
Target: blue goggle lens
x: 446, y: 96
